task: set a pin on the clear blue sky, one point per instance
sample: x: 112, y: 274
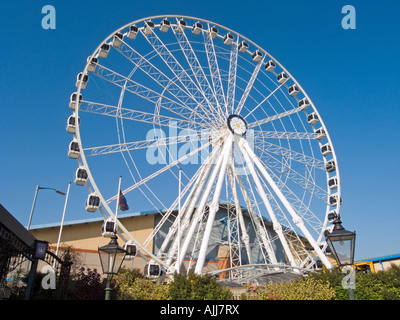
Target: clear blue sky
x: 352, y: 76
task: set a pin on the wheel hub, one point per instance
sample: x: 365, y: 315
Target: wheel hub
x: 237, y: 124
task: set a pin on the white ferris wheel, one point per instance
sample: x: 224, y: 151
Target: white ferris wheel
x: 197, y: 117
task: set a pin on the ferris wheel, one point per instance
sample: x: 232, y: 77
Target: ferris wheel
x: 196, y: 117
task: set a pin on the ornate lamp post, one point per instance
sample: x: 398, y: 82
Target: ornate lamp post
x: 342, y: 243
x: 111, y: 258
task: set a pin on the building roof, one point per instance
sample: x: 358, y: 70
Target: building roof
x: 101, y: 218
x: 94, y: 219
x: 12, y: 224
x: 382, y: 258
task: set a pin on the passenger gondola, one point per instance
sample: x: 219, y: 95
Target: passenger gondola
x: 92, y: 202
x: 197, y: 27
x: 73, y: 150
x: 104, y: 49
x: 74, y: 102
x: 270, y: 66
x: 81, y: 176
x: 82, y: 80
x: 133, y: 31
x: 165, y: 24
x: 117, y: 40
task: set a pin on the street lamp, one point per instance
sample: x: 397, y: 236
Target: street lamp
x: 342, y: 243
x: 34, y: 202
x: 111, y: 258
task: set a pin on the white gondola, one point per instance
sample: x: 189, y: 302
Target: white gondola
x: 270, y: 66
x: 130, y: 249
x: 318, y: 265
x: 180, y: 26
x: 117, y: 40
x: 197, y: 27
x: 104, y: 49
x: 330, y: 166
x: 243, y: 46
x: 282, y: 77
x: 326, y: 149
x: 152, y: 270
x: 333, y: 183
x: 73, y: 100
x: 133, y: 31
x: 328, y: 250
x: 73, y: 150
x: 257, y: 56
x: 71, y: 124
x: 320, y: 133
x: 312, y: 118
x: 85, y: 79
x: 165, y: 24
x: 108, y: 228
x: 92, y: 64
x: 304, y: 103
x: 228, y: 39
x: 332, y: 216
x: 92, y: 202
x: 81, y: 176
x: 293, y: 90
x: 213, y: 32
x: 148, y: 27
x: 334, y: 200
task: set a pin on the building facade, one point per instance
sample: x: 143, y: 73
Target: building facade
x: 85, y: 237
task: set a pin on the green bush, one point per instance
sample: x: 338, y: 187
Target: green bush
x: 195, y: 287
x: 304, y: 289
x: 383, y: 285
x: 89, y: 285
x: 133, y: 286
x: 334, y: 277
x: 145, y: 289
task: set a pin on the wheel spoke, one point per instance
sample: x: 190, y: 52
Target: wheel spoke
x: 136, y: 88
x: 214, y: 71
x: 283, y: 135
x: 232, y: 77
x: 158, y: 172
x: 275, y: 117
x: 265, y: 99
x: 145, y: 144
x: 182, y: 96
x: 292, y: 155
x: 248, y: 88
x: 197, y: 71
x: 140, y: 116
x: 179, y: 72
